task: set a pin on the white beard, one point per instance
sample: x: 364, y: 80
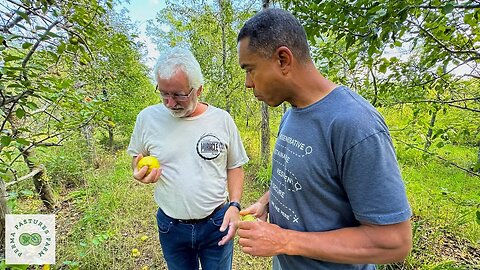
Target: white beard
x: 185, y: 112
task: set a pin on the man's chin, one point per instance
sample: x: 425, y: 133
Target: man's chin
x: 177, y: 113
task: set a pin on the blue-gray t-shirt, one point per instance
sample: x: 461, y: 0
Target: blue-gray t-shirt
x: 333, y: 166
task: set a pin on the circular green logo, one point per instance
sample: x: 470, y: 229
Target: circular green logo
x: 33, y: 239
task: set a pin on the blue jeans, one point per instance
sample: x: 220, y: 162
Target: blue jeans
x: 183, y: 245
x: 276, y: 263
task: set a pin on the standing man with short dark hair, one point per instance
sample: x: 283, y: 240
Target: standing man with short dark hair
x: 337, y: 199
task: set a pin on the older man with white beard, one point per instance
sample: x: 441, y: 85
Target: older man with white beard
x: 199, y: 185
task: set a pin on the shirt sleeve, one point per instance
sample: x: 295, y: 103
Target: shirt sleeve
x: 136, y: 145
x: 237, y: 155
x: 373, y: 182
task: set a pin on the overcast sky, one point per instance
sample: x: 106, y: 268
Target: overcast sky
x: 140, y: 11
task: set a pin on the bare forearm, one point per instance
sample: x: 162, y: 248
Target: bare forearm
x: 265, y: 199
x: 364, y: 244
x: 235, y: 184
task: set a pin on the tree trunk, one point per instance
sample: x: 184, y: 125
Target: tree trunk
x: 265, y: 127
x: 87, y: 131
x: 477, y: 166
x: 221, y: 4
x: 40, y: 180
x: 265, y: 144
x: 428, y: 141
x: 3, y: 211
x: 110, y: 137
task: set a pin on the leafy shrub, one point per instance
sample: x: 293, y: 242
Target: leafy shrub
x: 66, y: 164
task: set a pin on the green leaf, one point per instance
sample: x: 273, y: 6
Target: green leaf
x: 471, y: 19
x: 383, y: 68
x: 478, y: 217
x: 5, y: 140
x: 27, y: 45
x: 448, y: 8
x: 11, y: 58
x: 61, y: 48
x: 350, y: 40
x: 31, y: 105
x: 23, y: 15
x: 20, y: 113
x: 8, y: 154
x: 477, y: 167
x: 22, y: 141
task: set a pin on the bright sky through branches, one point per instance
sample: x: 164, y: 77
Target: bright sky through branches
x: 140, y: 11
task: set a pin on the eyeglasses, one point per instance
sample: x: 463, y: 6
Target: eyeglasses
x: 176, y: 97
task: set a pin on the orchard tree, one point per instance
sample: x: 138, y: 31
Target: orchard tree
x: 39, y: 103
x: 65, y: 67
x: 423, y: 54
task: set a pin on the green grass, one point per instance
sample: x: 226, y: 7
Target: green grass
x: 105, y: 214
x: 114, y: 212
x: 446, y: 198
x: 100, y: 223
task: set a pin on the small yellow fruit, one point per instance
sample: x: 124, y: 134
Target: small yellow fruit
x: 135, y: 252
x: 73, y: 40
x: 248, y: 217
x: 150, y: 162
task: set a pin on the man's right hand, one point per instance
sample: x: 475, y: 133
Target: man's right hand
x: 257, y: 209
x: 141, y: 176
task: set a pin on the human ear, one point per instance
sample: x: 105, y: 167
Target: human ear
x: 284, y: 57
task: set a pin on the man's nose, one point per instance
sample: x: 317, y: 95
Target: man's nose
x: 170, y: 102
x: 248, y: 82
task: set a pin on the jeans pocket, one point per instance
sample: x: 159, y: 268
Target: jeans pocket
x: 164, y: 222
x: 217, y: 219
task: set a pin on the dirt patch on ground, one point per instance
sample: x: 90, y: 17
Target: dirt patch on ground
x: 432, y: 245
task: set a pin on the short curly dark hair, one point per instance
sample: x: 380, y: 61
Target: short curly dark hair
x: 272, y: 28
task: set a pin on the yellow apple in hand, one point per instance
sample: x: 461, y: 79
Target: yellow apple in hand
x: 150, y: 162
x: 248, y: 217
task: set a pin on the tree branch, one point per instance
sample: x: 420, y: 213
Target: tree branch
x: 445, y: 46
x: 11, y: 24
x: 437, y: 101
x: 35, y: 46
x: 30, y: 175
x: 15, y: 98
x: 439, y: 157
x: 464, y: 108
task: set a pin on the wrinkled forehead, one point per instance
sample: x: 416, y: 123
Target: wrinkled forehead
x: 178, y: 81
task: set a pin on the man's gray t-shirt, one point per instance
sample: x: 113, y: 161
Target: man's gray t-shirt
x: 333, y: 166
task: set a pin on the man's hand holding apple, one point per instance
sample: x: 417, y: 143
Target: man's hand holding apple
x: 146, y: 174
